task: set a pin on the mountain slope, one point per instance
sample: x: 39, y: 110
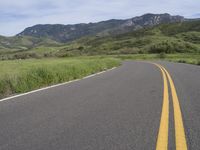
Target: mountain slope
x: 183, y: 37
x: 66, y: 33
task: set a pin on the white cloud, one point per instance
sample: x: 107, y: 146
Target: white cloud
x: 17, y: 15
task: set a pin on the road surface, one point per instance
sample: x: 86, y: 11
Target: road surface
x: 128, y: 108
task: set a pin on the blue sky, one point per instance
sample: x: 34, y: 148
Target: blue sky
x: 15, y: 15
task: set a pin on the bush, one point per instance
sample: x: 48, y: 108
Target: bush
x: 162, y: 55
x: 25, y: 55
x: 172, y: 47
x: 81, y: 48
x: 129, y: 51
x: 182, y: 61
x: 198, y: 63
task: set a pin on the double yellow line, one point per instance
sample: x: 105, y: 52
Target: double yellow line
x: 162, y: 140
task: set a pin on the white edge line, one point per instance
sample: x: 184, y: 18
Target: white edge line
x: 56, y: 85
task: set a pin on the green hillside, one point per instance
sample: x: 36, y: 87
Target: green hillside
x: 165, y: 38
x: 168, y: 38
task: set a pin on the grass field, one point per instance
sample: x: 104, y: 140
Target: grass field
x: 20, y: 76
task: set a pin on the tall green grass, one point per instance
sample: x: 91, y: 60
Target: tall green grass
x: 25, y: 75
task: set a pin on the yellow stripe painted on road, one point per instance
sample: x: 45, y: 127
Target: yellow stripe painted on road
x: 162, y: 140
x: 180, y: 138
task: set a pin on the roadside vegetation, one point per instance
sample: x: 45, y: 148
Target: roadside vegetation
x: 20, y: 76
x: 179, y: 58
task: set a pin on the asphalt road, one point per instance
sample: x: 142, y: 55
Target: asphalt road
x: 117, y: 110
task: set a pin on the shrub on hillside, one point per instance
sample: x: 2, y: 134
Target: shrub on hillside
x: 129, y: 51
x: 172, y: 47
x: 193, y: 37
x: 25, y: 55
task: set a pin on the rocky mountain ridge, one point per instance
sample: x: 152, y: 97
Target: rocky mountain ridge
x: 66, y: 33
